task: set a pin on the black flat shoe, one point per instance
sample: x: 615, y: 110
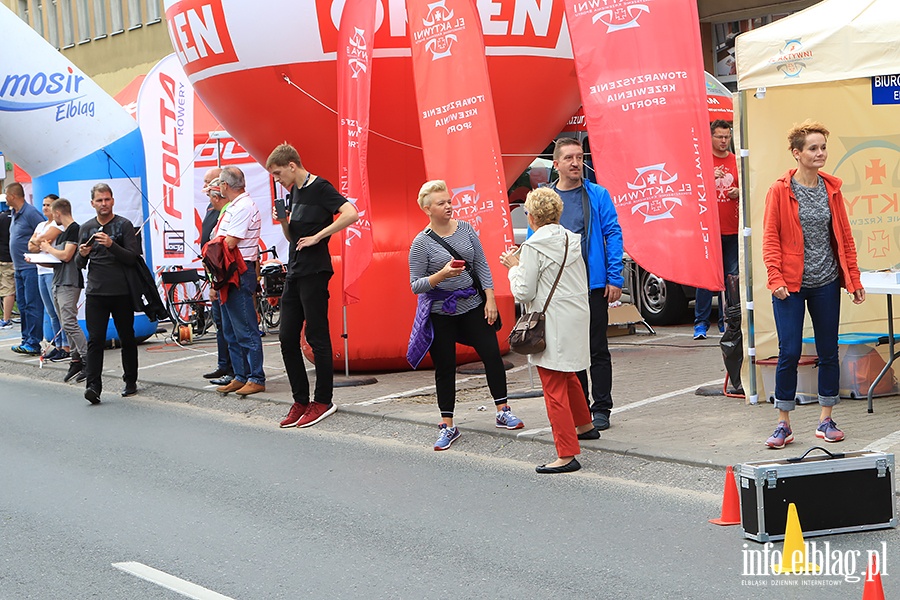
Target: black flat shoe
x: 570, y: 467
x: 593, y: 434
x: 215, y: 374
x: 130, y: 390
x: 92, y: 395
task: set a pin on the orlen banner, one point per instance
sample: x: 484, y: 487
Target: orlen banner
x: 640, y: 70
x: 456, y: 116
x: 165, y: 113
x: 268, y: 86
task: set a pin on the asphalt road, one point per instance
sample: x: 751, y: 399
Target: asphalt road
x: 353, y: 508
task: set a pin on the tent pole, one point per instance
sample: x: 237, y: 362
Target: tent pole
x: 752, y: 395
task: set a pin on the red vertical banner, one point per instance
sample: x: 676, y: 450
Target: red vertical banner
x: 640, y: 70
x: 354, y: 60
x: 457, y: 120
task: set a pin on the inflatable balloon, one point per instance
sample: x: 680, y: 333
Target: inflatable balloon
x: 267, y: 72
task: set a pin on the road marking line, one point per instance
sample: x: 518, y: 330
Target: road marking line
x: 418, y: 391
x: 665, y: 396
x: 885, y: 442
x: 201, y: 354
x: 534, y: 432
x: 170, y: 582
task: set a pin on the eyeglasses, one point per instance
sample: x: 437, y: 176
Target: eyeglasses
x: 721, y: 137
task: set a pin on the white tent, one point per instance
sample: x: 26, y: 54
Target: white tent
x: 829, y: 63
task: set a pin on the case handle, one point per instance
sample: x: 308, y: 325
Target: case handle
x: 831, y: 455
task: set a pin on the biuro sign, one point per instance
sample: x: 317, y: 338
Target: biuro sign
x: 269, y: 85
x: 870, y: 171
x: 523, y: 23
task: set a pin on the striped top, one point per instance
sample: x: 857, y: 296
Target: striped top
x: 241, y: 219
x: 427, y: 257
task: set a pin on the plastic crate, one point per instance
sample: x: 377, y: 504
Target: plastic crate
x: 807, y: 379
x: 862, y: 356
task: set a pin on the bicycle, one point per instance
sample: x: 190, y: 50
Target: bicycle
x: 272, y: 274
x: 187, y: 301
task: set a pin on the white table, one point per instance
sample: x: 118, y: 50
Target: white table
x: 889, y: 290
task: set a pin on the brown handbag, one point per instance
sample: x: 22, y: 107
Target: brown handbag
x: 527, y: 335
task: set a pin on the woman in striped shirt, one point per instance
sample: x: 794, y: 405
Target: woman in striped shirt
x: 451, y: 309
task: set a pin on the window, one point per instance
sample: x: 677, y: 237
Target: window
x: 68, y: 25
x: 153, y: 13
x: 38, y: 23
x: 117, y: 21
x: 134, y: 14
x: 52, y: 24
x: 84, y: 23
x: 23, y: 10
x: 99, y: 19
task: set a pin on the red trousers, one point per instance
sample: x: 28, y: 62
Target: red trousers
x: 566, y: 408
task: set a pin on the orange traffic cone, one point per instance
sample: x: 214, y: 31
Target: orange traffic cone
x: 793, y: 543
x: 873, y: 590
x: 731, y: 506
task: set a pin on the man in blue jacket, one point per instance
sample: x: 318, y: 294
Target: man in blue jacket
x: 25, y: 218
x: 589, y: 211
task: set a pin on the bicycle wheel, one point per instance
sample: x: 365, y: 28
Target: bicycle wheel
x: 181, y: 300
x: 271, y: 314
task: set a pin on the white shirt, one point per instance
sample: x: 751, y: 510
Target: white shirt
x: 241, y: 220
x: 39, y: 230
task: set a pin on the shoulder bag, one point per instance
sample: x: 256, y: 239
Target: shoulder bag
x: 527, y: 335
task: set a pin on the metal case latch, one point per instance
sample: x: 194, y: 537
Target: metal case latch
x: 881, y: 465
x: 771, y: 479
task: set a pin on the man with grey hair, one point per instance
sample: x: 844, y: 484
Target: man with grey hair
x: 239, y: 225
x: 107, y: 247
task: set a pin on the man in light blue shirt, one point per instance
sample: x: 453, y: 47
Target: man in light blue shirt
x: 25, y: 218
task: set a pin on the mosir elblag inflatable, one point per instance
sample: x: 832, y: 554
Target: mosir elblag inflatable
x: 267, y: 72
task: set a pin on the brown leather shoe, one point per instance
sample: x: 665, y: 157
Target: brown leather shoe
x: 234, y: 386
x: 251, y: 388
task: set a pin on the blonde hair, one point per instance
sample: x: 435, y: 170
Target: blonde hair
x: 428, y: 188
x: 797, y: 134
x: 544, y: 205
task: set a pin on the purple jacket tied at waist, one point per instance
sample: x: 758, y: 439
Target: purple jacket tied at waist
x: 423, y: 332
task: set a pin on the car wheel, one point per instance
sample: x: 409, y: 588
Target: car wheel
x: 661, y: 302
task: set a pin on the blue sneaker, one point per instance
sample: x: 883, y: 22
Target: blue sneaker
x: 447, y: 437
x: 28, y: 350
x: 782, y: 436
x: 700, y: 331
x: 828, y: 431
x: 5, y: 324
x: 507, y: 420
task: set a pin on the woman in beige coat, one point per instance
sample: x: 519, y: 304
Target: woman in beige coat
x: 532, y: 270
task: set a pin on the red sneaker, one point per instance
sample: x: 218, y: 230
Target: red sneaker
x: 315, y: 412
x: 293, y: 417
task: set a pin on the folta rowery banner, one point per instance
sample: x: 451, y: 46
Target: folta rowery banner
x: 640, y: 71
x: 456, y: 117
x: 165, y: 113
x: 354, y: 58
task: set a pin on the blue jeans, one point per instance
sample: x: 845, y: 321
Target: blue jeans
x: 222, y: 352
x: 824, y: 305
x: 45, y: 285
x: 703, y: 300
x: 242, y: 330
x: 31, y: 307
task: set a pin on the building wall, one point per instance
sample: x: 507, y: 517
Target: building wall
x: 113, y: 41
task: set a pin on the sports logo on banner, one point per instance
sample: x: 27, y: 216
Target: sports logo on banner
x: 165, y: 112
x: 646, y: 112
x: 457, y: 120
x: 356, y: 33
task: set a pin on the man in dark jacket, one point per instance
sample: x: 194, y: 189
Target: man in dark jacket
x: 109, y: 244
x: 7, y: 271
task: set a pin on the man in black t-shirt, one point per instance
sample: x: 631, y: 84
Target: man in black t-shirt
x: 67, y: 284
x: 108, y: 247
x: 7, y: 272
x: 309, y: 225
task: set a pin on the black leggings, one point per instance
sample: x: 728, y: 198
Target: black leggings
x: 482, y: 337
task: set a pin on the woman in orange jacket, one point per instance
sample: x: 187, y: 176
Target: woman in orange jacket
x: 809, y: 254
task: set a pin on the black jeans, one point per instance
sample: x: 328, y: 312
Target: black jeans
x: 601, y: 361
x: 482, y: 338
x: 97, y: 310
x: 305, y: 299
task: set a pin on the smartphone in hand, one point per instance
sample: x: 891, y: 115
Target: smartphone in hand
x: 90, y: 241
x: 280, y: 209
x: 457, y: 264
